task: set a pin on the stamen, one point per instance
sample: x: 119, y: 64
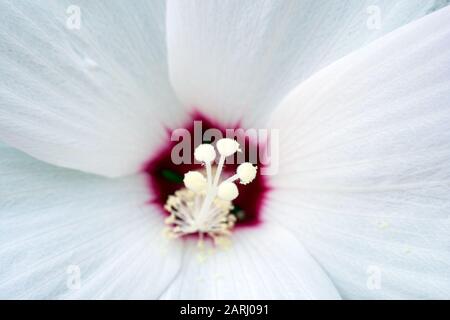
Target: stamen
x: 204, y: 206
x: 205, y: 153
x: 219, y: 171
x: 195, y: 181
x: 228, y: 191
x: 227, y: 147
x: 246, y: 172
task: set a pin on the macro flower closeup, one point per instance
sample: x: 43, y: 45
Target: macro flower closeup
x: 353, y: 204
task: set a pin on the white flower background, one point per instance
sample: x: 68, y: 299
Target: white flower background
x: 361, y: 204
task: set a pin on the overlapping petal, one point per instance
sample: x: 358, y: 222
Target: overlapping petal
x: 236, y: 59
x: 95, y: 98
x: 265, y: 263
x: 69, y: 235
x: 364, y: 176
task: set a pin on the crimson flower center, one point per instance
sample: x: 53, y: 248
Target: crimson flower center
x: 165, y: 176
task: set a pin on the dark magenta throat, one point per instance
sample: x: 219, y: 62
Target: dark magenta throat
x: 165, y: 177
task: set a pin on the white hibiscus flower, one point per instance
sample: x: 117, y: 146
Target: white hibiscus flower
x: 360, y: 206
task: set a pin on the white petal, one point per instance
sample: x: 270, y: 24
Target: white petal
x: 365, y: 165
x: 238, y: 59
x: 93, y: 99
x: 54, y: 221
x: 264, y: 263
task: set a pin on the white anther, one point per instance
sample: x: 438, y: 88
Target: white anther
x: 195, y: 181
x: 227, y: 191
x: 205, y: 153
x: 227, y: 147
x: 246, y: 172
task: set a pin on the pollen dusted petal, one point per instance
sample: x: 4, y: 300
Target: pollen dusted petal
x: 264, y: 263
